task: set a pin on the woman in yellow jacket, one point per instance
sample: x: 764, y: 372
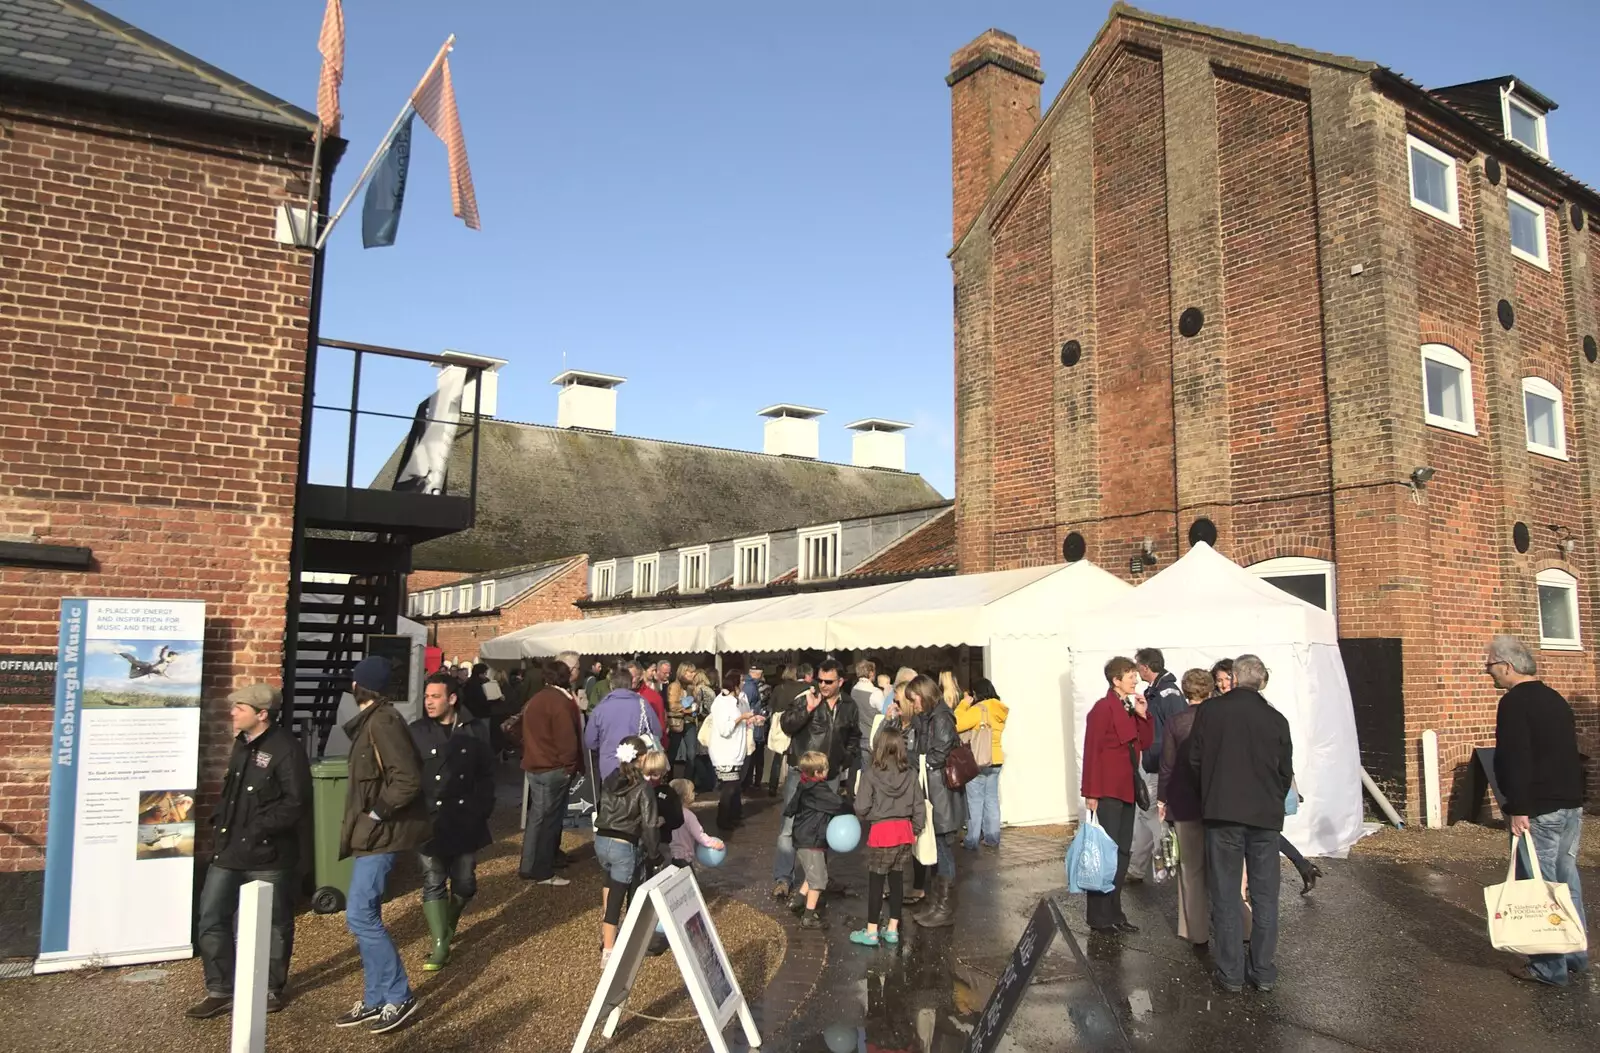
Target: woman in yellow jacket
x: 982, y: 708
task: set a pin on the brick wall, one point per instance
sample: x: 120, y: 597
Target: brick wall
x: 554, y: 600
x: 152, y: 349
x: 1272, y: 193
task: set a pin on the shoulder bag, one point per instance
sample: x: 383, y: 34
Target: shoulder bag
x: 1141, y: 790
x: 981, y: 738
x: 959, y: 767
x: 926, y: 848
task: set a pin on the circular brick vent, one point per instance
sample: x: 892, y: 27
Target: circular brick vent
x: 1070, y: 353
x: 1191, y: 321
x: 1202, y: 529
x: 1507, y: 314
x: 1074, y: 547
x: 1577, y: 218
x: 1491, y: 168
x: 1519, y: 536
x: 1589, y: 350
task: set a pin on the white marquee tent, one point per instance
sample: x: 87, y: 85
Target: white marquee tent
x: 1205, y: 607
x: 1020, y: 618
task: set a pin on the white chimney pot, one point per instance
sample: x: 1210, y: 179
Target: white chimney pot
x: 791, y: 431
x: 878, y: 443
x: 588, y: 400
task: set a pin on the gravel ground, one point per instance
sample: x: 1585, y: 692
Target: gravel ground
x: 1463, y: 842
x: 525, y: 965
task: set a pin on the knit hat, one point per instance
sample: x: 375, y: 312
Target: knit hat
x: 372, y: 673
x: 258, y: 696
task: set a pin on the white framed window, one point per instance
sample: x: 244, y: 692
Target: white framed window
x: 486, y: 595
x: 1300, y: 576
x: 693, y: 566
x: 464, y: 598
x: 750, y: 562
x: 447, y: 600
x: 819, y: 552
x: 429, y: 602
x: 645, y: 574
x: 1523, y: 123
x: 1447, y: 389
x: 1546, y: 423
x: 1433, y: 181
x: 414, y: 604
x: 1558, y: 611
x: 603, y: 580
x: 1527, y: 230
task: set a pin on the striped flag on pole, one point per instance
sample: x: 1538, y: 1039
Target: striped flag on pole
x: 331, y: 44
x: 435, y: 102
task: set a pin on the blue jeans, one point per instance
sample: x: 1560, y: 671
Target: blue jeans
x: 618, y: 858
x: 219, y: 907
x: 1555, y: 839
x: 1230, y: 848
x: 541, y: 838
x: 385, y: 975
x: 945, y: 867
x: 783, y: 856
x: 983, y: 808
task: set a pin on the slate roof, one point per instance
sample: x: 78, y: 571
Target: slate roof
x: 545, y: 493
x: 75, y: 45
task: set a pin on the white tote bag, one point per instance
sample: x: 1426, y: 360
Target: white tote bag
x: 1533, y: 916
x: 926, y: 850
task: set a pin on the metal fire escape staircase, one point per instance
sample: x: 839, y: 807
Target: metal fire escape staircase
x: 352, y: 550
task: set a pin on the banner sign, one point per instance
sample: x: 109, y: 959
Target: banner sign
x: 119, y: 855
x: 27, y: 679
x: 671, y: 900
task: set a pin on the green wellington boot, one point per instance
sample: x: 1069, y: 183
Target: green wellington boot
x: 437, y: 911
x: 457, y: 905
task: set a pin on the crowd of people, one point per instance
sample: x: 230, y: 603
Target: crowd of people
x: 1196, y: 771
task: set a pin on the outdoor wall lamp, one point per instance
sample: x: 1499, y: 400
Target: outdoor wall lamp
x: 1143, y: 556
x: 1564, y: 540
x: 1421, y: 477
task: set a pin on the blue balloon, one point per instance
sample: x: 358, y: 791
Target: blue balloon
x: 710, y: 857
x: 844, y: 833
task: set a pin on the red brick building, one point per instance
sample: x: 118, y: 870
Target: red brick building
x: 1231, y: 289
x: 153, y: 337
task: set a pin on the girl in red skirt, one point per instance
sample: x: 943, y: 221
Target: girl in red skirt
x: 890, y: 798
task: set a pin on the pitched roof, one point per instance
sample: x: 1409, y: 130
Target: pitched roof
x: 75, y: 45
x: 929, y: 548
x: 545, y: 493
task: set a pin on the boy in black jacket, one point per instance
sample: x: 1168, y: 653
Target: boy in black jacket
x: 814, y: 803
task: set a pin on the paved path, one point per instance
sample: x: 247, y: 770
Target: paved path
x: 1380, y: 957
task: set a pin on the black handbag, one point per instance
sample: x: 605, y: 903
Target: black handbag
x: 1141, y: 791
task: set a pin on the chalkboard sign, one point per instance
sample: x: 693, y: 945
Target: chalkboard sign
x: 1036, y: 940
x: 28, y: 679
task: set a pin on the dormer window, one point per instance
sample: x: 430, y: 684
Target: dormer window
x: 1524, y: 122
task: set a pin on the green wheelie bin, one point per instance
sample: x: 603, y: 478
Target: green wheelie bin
x: 331, y: 874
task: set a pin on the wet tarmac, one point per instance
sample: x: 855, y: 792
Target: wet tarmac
x: 1381, y: 956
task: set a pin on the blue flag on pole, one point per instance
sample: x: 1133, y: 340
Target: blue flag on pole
x: 380, y: 212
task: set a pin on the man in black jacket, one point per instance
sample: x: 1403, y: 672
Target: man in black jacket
x: 815, y: 721
x: 1241, y: 750
x: 458, y: 788
x: 265, y: 794
x: 1539, y: 770
x: 1165, y: 701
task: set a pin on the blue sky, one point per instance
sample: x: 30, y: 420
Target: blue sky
x: 735, y: 204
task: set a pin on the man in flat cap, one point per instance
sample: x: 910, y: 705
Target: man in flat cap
x: 384, y: 814
x: 265, y: 794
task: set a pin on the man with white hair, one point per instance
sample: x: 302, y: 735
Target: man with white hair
x: 1540, y: 775
x: 1241, y: 750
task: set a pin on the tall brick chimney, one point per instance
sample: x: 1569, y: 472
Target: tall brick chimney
x: 994, y: 104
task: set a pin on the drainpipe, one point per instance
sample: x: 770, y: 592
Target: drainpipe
x: 1383, y: 802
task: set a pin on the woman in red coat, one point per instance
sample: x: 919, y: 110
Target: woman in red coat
x: 1116, y: 722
